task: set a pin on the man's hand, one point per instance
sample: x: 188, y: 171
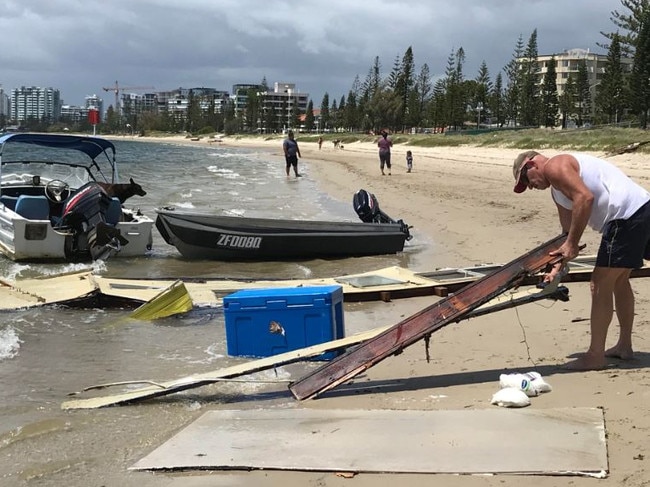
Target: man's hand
x: 568, y: 251
x: 556, y: 273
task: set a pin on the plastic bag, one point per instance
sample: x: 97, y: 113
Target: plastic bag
x: 531, y: 383
x: 511, y: 397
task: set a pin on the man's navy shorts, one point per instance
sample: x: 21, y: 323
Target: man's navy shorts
x: 291, y: 161
x: 625, y: 243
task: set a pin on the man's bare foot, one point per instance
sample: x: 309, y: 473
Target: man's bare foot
x: 620, y: 353
x: 587, y: 361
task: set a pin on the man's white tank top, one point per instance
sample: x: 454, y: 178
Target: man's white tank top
x: 616, y: 196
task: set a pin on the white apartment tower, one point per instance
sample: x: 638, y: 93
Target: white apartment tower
x: 4, y: 103
x: 567, y: 64
x: 35, y: 103
x: 95, y: 102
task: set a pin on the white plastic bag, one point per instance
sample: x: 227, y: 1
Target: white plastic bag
x: 518, y: 381
x: 530, y: 383
x: 538, y: 381
x: 511, y: 397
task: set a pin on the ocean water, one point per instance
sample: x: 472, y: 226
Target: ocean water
x: 47, y: 352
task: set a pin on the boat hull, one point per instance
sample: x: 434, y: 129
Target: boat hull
x: 37, y: 240
x: 214, y: 237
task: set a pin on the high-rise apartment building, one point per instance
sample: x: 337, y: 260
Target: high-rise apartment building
x: 94, y: 102
x: 285, y: 95
x: 240, y: 95
x: 567, y: 64
x: 4, y: 103
x: 35, y: 103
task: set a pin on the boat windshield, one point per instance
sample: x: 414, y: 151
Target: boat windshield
x: 21, y: 161
x: 23, y: 173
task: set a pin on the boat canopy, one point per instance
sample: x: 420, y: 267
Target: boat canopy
x: 92, y: 146
x: 65, y: 151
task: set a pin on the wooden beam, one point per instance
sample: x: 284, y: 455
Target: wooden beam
x: 412, y: 329
x: 163, y: 388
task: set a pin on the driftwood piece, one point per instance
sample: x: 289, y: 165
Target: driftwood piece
x: 627, y: 148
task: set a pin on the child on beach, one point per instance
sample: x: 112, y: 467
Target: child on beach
x: 409, y: 161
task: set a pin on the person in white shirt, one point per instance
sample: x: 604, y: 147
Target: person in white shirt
x: 591, y: 191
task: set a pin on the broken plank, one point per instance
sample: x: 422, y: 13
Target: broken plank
x: 425, y: 322
x: 163, y: 388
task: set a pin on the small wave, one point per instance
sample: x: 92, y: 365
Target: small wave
x: 15, y: 270
x: 224, y: 173
x: 306, y: 271
x: 96, y: 267
x: 190, y: 193
x: 183, y: 204
x: 226, y: 155
x: 235, y: 212
x: 9, y: 343
x: 213, y: 354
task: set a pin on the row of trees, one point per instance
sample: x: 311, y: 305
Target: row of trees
x: 515, y: 97
x: 408, y: 97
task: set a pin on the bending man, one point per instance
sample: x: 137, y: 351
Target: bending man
x: 590, y: 191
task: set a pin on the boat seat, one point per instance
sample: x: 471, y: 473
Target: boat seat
x: 33, y: 207
x: 9, y: 201
x: 114, y: 212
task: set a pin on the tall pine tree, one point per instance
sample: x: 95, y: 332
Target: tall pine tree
x: 640, y: 77
x: 513, y: 83
x: 529, y: 90
x: 611, y: 92
x: 629, y: 22
x: 325, y: 112
x: 549, y: 99
x: 583, y: 93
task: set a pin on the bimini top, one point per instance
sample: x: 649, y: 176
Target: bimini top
x: 92, y: 146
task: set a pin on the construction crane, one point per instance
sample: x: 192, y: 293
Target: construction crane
x: 117, y: 89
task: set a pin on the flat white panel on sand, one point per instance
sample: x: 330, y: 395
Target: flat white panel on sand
x: 564, y: 441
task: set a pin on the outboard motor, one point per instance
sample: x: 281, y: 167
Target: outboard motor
x: 85, y: 215
x: 367, y: 207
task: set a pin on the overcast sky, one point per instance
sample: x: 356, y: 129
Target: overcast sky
x: 81, y: 46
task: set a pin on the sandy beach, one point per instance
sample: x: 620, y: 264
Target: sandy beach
x: 461, y: 199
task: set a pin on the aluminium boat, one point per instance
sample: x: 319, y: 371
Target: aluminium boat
x: 52, y: 206
x: 228, y: 238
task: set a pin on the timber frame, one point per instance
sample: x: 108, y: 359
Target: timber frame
x: 422, y: 324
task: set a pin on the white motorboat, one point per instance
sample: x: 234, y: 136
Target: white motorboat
x: 52, y: 206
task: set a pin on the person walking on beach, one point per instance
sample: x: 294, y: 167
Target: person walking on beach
x: 384, y: 143
x: 591, y: 191
x: 291, y: 153
x: 409, y: 161
x: 320, y: 142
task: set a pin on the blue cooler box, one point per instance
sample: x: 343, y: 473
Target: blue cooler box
x: 265, y: 322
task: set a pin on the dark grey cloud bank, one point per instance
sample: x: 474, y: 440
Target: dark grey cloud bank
x: 79, y: 46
